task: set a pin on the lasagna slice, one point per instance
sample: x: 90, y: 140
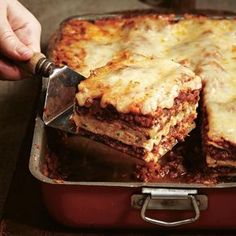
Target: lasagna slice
x: 139, y: 105
x: 211, y: 52
x: 219, y: 106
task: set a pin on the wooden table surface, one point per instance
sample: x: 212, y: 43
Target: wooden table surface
x: 21, y: 208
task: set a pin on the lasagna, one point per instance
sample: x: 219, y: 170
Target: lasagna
x: 219, y: 105
x: 144, y: 76
x: 139, y: 105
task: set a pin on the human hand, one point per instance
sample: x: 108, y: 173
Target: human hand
x: 19, y: 37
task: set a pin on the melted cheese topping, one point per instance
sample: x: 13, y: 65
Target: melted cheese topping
x: 206, y: 46
x: 138, y: 84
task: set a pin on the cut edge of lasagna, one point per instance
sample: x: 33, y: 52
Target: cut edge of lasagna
x: 219, y: 105
x: 219, y: 151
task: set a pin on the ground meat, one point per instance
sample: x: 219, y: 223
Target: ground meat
x: 176, y: 133
x: 138, y: 152
x: 225, y: 154
x: 147, y: 121
x: 227, y: 150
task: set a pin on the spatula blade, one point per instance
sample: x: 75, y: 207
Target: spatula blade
x: 60, y: 95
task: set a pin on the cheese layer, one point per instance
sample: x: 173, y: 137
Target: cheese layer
x: 137, y: 84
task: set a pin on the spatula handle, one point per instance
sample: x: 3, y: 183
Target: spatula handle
x: 38, y: 65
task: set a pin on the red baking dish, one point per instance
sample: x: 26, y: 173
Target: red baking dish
x: 103, y: 192
x: 128, y: 204
x: 110, y: 207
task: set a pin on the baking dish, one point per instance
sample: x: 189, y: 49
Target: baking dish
x: 127, y: 203
x: 114, y: 198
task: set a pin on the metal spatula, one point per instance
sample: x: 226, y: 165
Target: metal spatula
x: 60, y: 94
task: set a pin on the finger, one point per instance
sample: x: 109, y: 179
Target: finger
x: 27, y: 28
x: 33, y: 35
x: 9, y: 71
x: 11, y: 46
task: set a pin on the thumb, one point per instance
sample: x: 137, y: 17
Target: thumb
x: 11, y: 46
